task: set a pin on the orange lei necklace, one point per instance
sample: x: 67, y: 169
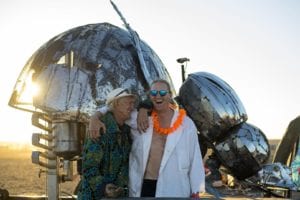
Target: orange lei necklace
x: 167, y: 131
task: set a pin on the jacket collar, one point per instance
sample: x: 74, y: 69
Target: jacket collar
x: 172, y: 140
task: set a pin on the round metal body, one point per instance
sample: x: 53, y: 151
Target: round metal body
x: 212, y: 104
x: 75, y: 70
x: 244, y: 150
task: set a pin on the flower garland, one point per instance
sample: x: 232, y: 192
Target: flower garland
x: 167, y: 131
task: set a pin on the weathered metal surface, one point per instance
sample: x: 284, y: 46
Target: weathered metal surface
x: 274, y: 175
x: 287, y: 147
x: 137, y: 44
x: 244, y: 150
x: 67, y: 137
x: 212, y: 104
x: 76, y: 69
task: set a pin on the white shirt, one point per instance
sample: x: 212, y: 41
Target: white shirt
x: 181, y: 172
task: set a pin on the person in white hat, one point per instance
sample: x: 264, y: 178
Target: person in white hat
x: 95, y: 124
x: 165, y: 160
x: 105, y: 161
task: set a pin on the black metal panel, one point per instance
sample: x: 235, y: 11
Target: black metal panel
x: 212, y: 104
x: 244, y: 150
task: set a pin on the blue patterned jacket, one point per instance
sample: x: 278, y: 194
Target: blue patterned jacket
x: 106, y: 160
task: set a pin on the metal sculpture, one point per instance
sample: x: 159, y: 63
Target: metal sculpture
x: 212, y: 104
x: 221, y: 119
x: 244, y: 150
x: 274, y: 175
x: 288, y: 145
x: 76, y: 69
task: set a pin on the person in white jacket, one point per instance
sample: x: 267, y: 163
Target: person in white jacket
x: 165, y: 160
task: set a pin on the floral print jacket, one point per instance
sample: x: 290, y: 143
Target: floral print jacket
x: 106, y: 160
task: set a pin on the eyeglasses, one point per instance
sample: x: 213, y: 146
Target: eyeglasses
x: 161, y: 92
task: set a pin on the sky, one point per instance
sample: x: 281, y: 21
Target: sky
x: 254, y: 46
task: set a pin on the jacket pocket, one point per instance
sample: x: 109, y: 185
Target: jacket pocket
x: 183, y: 160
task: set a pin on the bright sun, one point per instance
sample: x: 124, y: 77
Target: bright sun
x: 29, y: 89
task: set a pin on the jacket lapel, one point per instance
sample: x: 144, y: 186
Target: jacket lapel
x: 147, y: 139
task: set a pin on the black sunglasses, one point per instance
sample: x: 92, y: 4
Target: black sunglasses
x: 161, y: 92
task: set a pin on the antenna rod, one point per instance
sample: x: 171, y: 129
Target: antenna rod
x: 136, y: 42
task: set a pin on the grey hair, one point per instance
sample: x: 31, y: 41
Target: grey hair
x: 113, y: 104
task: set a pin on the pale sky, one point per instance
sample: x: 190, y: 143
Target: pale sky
x: 252, y: 45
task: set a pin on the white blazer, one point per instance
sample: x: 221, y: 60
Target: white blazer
x: 181, y: 172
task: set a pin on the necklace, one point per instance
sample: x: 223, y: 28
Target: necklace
x: 167, y: 131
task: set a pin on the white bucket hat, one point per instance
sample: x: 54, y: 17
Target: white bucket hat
x: 116, y: 94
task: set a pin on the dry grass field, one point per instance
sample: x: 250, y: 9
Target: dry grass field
x: 20, y: 177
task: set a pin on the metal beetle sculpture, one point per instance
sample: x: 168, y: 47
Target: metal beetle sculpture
x: 76, y: 69
x: 221, y: 120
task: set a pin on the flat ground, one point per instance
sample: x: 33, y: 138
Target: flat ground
x: 20, y: 177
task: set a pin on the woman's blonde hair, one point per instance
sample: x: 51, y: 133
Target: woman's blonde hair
x: 172, y: 101
x: 165, y: 82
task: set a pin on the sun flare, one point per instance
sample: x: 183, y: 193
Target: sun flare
x: 29, y: 90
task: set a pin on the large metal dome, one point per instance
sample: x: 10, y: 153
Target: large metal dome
x: 76, y: 69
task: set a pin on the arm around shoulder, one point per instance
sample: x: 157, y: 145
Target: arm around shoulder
x: 95, y: 124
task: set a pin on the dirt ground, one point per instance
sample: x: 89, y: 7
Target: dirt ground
x: 20, y: 177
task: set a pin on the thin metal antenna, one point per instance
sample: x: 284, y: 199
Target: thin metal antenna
x: 137, y: 45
